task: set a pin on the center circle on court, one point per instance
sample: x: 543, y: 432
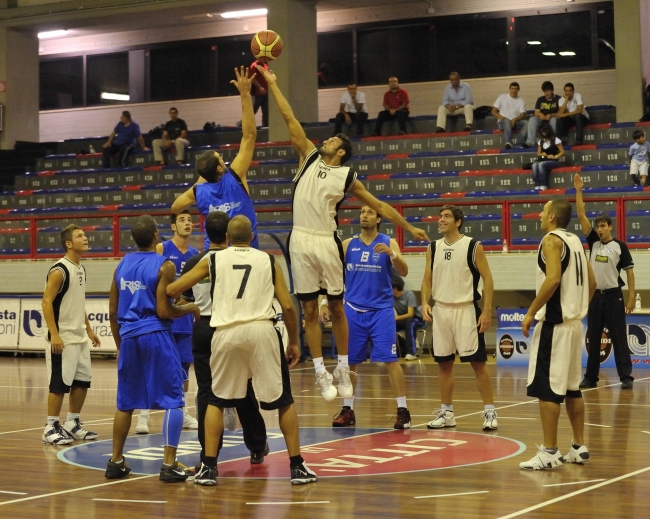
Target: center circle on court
x: 330, y: 452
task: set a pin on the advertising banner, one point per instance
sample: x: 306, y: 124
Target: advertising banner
x: 513, y: 349
x: 638, y: 340
x: 97, y: 312
x: 33, y: 330
x: 9, y: 322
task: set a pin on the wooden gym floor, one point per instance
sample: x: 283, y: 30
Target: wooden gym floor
x: 377, y: 473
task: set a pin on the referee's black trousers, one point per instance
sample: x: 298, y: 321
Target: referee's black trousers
x: 607, y: 310
x: 248, y: 409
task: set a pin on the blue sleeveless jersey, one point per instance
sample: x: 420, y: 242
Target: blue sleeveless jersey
x: 183, y: 324
x: 227, y: 195
x: 137, y: 278
x: 368, y: 275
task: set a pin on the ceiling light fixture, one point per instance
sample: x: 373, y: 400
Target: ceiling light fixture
x: 534, y: 42
x: 114, y: 97
x: 52, y: 34
x: 244, y: 14
x: 548, y: 53
x: 567, y: 53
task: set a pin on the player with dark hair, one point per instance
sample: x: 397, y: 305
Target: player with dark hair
x: 67, y: 356
x: 454, y: 265
x: 149, y: 371
x: 315, y: 249
x: 565, y: 284
x: 224, y: 188
x: 178, y: 250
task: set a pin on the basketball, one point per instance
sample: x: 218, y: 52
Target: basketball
x: 266, y: 46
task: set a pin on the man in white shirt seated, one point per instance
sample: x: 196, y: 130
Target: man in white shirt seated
x: 352, y: 109
x: 457, y: 100
x: 572, y: 112
x: 510, y: 110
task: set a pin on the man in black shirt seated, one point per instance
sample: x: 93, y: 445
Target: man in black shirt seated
x: 174, y: 135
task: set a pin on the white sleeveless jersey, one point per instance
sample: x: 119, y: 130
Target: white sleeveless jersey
x: 70, y: 303
x: 243, y: 288
x: 318, y: 192
x: 454, y: 276
x: 571, y: 299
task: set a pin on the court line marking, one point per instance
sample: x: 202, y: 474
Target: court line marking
x: 289, y: 503
x: 60, y: 492
x: 575, y: 483
x: 598, y: 425
x: 572, y: 494
x: 451, y: 495
x: 15, y: 493
x: 647, y: 432
x: 128, y: 500
x: 514, y: 418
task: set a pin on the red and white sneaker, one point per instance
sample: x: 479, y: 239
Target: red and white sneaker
x: 344, y: 418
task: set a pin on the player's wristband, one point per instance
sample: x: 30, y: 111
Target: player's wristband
x: 393, y: 255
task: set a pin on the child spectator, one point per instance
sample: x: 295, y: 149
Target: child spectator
x: 639, y: 158
x: 549, y: 150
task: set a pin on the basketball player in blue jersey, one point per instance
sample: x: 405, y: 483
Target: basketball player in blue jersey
x: 454, y: 265
x: 565, y: 284
x: 178, y: 250
x: 223, y: 188
x: 314, y: 247
x: 369, y: 258
x: 149, y: 372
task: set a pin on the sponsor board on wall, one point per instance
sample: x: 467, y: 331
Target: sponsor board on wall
x: 9, y: 322
x: 513, y: 349
x: 33, y: 330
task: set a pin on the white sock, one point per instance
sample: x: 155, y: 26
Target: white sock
x: 401, y: 401
x: 349, y: 402
x: 187, y: 399
x: 72, y: 416
x: 144, y: 413
x: 319, y: 365
x: 343, y: 360
x: 447, y: 407
x: 489, y: 407
x: 52, y: 419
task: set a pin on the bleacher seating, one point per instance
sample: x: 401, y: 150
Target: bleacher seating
x: 414, y: 172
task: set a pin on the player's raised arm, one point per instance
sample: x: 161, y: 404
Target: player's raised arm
x: 580, y: 205
x: 359, y: 191
x: 298, y: 138
x: 242, y: 161
x: 200, y: 271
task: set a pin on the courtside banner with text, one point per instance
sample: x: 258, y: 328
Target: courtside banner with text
x: 9, y: 322
x: 513, y: 349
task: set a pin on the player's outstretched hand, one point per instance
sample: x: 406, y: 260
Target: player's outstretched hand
x: 293, y: 355
x: 426, y: 313
x: 94, y: 339
x: 242, y: 81
x: 420, y: 234
x: 382, y: 248
x: 525, y: 324
x: 484, y: 321
x: 578, y: 182
x: 268, y: 75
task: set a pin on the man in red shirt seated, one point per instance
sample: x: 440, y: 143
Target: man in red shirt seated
x: 396, y: 106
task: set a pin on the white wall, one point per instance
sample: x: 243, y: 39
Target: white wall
x: 596, y: 87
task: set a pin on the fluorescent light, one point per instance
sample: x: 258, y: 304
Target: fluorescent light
x: 534, y: 42
x: 52, y: 34
x: 244, y: 14
x: 548, y: 53
x: 114, y: 97
x: 567, y: 53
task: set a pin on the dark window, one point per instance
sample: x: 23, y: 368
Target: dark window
x: 232, y: 53
x: 553, y: 42
x: 107, y: 74
x: 605, y: 24
x: 473, y: 47
x: 61, y: 83
x: 335, y: 60
x: 183, y: 71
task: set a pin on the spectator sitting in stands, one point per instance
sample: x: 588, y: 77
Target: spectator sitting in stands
x: 457, y: 99
x: 174, y: 135
x: 639, y: 158
x: 510, y: 110
x: 546, y: 109
x: 122, y: 140
x: 408, y: 316
x: 260, y: 92
x: 396, y: 106
x: 352, y: 109
x: 572, y: 111
x: 549, y: 151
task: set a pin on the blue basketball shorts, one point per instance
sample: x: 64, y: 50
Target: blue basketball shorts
x: 376, y: 327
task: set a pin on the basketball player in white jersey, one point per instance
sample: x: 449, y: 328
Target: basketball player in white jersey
x: 455, y: 263
x: 246, y: 344
x: 69, y: 335
x: 565, y: 283
x: 315, y: 250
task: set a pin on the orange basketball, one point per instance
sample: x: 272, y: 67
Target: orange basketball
x: 266, y: 46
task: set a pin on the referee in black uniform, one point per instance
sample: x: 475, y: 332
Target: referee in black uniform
x: 607, y: 310
x: 247, y: 408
